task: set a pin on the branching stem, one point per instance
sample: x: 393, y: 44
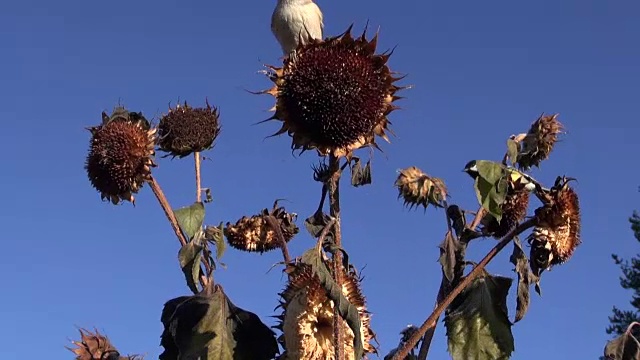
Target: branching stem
x: 466, y: 281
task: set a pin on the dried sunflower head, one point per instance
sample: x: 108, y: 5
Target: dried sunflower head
x: 334, y: 95
x: 307, y: 319
x: 514, y: 210
x: 120, y: 155
x: 254, y: 234
x: 95, y: 346
x: 539, y: 141
x: 557, y: 232
x: 418, y: 188
x: 185, y: 129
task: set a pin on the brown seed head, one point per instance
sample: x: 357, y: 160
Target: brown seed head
x: 334, y: 95
x: 418, y: 188
x: 185, y: 130
x: 307, y: 320
x: 557, y: 233
x: 254, y: 234
x: 514, y: 210
x: 539, y: 141
x: 95, y: 346
x: 120, y: 156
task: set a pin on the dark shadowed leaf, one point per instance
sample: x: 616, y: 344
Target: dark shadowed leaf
x: 624, y: 347
x: 190, y: 218
x: 519, y: 259
x: 316, y: 223
x: 212, y: 327
x: 214, y: 234
x: 478, y: 326
x: 360, y: 175
x: 189, y: 256
x: 346, y: 310
x: 491, y: 187
x: 513, y: 149
x: 452, y: 257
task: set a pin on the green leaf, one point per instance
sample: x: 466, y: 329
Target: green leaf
x: 214, y: 234
x: 190, y: 218
x: 521, y: 262
x: 346, y: 310
x: 624, y: 347
x: 513, y: 149
x: 212, y: 327
x: 491, y: 187
x: 360, y: 176
x: 478, y: 326
x: 190, y: 257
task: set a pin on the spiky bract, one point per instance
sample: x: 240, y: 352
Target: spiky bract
x: 254, y: 234
x: 539, y: 141
x: 120, y: 155
x: 93, y: 345
x: 418, y: 188
x: 307, y: 319
x: 334, y: 95
x: 557, y: 232
x: 185, y: 129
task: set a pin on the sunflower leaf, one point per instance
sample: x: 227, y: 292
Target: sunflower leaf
x: 214, y: 234
x: 346, y: 310
x: 190, y: 218
x: 491, y: 187
x: 360, y: 176
x: 521, y: 262
x: 190, y: 258
x: 624, y: 347
x: 477, y: 322
x: 513, y: 149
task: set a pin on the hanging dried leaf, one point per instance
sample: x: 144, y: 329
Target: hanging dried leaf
x: 624, y: 347
x: 190, y: 258
x: 360, y: 176
x: 521, y: 262
x: 316, y: 223
x: 452, y: 257
x: 215, y: 236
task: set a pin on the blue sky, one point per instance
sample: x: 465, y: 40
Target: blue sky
x: 481, y: 71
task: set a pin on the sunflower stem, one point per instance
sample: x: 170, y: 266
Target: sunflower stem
x: 444, y: 287
x: 171, y: 216
x: 273, y: 223
x: 196, y: 156
x: 334, y: 212
x: 431, y: 321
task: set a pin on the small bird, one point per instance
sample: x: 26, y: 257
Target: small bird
x: 517, y: 179
x: 294, y: 21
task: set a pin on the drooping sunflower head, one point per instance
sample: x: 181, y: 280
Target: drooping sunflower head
x: 256, y: 234
x: 120, y: 155
x: 557, y: 232
x: 307, y: 319
x: 93, y: 345
x: 185, y: 130
x: 418, y: 188
x: 334, y: 95
x: 514, y: 210
x: 539, y: 141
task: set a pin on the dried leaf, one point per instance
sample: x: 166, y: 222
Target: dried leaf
x: 491, y: 187
x: 360, y: 176
x: 513, y: 149
x: 190, y: 218
x: 212, y: 327
x: 624, y: 347
x: 316, y: 223
x: 346, y: 310
x: 452, y: 257
x: 190, y: 258
x: 521, y: 262
x: 478, y: 326
x: 214, y: 234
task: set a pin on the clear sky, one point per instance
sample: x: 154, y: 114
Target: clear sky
x: 481, y: 71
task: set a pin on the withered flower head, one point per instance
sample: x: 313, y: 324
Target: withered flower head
x: 120, y: 155
x: 307, y: 318
x: 97, y: 346
x: 255, y: 234
x: 185, y: 129
x: 334, y: 95
x: 418, y: 188
x: 539, y: 141
x: 557, y: 233
x: 514, y: 210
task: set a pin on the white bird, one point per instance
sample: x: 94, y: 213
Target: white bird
x: 295, y: 20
